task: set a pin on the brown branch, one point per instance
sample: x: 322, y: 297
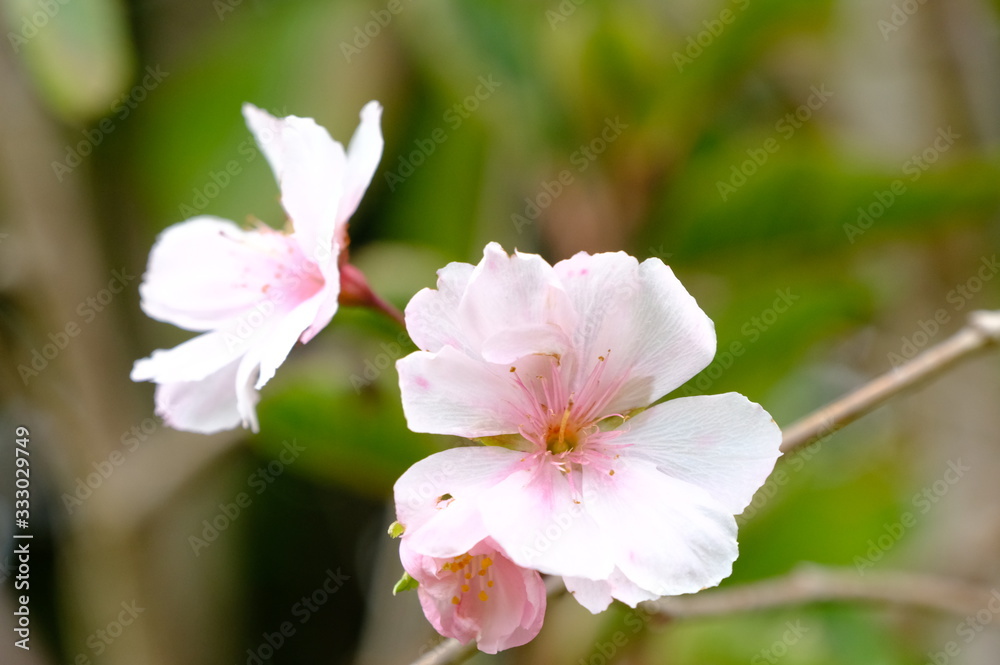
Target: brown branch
x: 812, y: 584
x: 982, y: 331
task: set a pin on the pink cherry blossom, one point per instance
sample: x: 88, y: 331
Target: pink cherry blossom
x: 556, y: 367
x: 254, y: 293
x: 478, y: 595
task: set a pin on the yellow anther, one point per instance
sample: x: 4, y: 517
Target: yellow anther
x: 483, y: 597
x: 465, y: 588
x: 455, y: 600
x: 486, y: 562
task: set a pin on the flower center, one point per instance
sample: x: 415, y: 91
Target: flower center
x: 563, y: 436
x: 474, y: 576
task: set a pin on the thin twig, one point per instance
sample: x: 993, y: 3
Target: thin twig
x: 981, y: 332
x: 816, y: 584
x: 812, y: 584
x: 805, y: 585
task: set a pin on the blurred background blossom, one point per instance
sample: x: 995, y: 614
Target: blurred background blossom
x: 824, y: 178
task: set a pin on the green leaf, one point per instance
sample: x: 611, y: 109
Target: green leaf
x: 405, y: 583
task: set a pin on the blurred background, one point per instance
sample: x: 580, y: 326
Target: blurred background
x: 824, y: 177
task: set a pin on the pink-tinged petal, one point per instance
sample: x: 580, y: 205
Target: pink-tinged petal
x: 451, y: 393
x: 725, y: 444
x: 518, y: 293
x: 206, y: 272
x: 480, y: 595
x: 596, y: 595
x: 668, y: 537
x: 657, y: 335
x: 431, y: 313
x: 281, y: 335
x: 513, y: 293
x: 329, y: 304
x: 193, y: 360
x: 537, y: 518
x: 205, y: 406
x: 311, y: 169
x: 507, y: 346
x: 437, y: 498
x: 363, y: 155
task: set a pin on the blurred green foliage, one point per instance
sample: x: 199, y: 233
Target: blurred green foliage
x: 693, y: 116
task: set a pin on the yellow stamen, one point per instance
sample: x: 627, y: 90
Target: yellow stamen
x: 465, y: 588
x: 455, y: 600
x: 483, y: 597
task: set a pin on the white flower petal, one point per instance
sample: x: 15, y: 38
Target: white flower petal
x: 450, y: 393
x: 311, y: 170
x: 502, y: 293
x: 193, y: 360
x: 536, y: 518
x: 206, y: 406
x: 207, y: 272
x: 596, y: 595
x: 657, y: 335
x: 725, y: 444
x: 668, y: 537
x: 437, y: 498
x: 363, y: 155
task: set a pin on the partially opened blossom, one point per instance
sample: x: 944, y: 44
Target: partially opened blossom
x: 255, y: 293
x: 556, y: 367
x: 479, y: 595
